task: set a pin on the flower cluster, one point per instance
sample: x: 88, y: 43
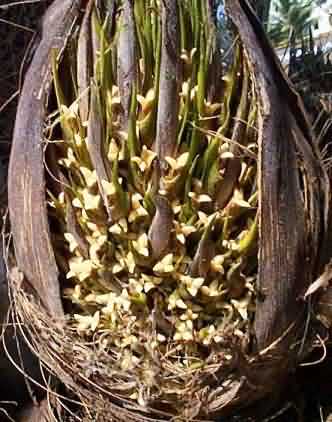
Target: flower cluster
x: 199, y: 286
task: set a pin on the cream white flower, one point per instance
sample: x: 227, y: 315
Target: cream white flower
x: 124, y: 262
x: 187, y: 57
x: 141, y: 245
x: 98, y: 232
x: 72, y: 241
x: 71, y: 160
x: 204, y: 219
x: 78, y: 140
x: 74, y: 294
x: 165, y: 265
x: 183, y: 230
x: 192, y: 284
x: 150, y: 282
x: 90, y: 201
x: 176, y: 206
x: 123, y: 301
x: 70, y: 112
x: 135, y: 286
x: 80, y: 268
x: 200, y: 198
x: 217, y: 264
x: 61, y: 198
x: 137, y: 208
x: 177, y: 163
x: 207, y: 334
x: 242, y: 305
x: 237, y: 202
x: 129, y: 340
x: 106, y: 298
x: 90, y: 176
x: 184, y: 330
x: 87, y: 322
x: 108, y: 187
x: 213, y: 289
x: 113, y: 151
x: 130, y: 262
x: 175, y: 301
x: 161, y: 338
x: 189, y: 315
x: 77, y: 203
x: 110, y: 307
x: 121, y: 227
x: 145, y: 161
x: 227, y: 154
x: 185, y: 90
x: 129, y: 361
x: 96, y: 246
x: 147, y: 101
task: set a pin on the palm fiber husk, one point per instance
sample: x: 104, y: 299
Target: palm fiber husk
x: 294, y: 227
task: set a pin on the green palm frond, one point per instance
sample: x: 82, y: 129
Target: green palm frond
x: 292, y: 20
